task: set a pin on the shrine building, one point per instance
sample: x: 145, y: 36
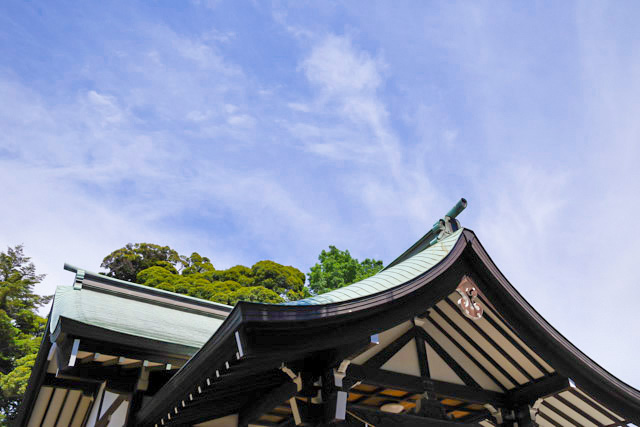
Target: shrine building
x: 439, y: 337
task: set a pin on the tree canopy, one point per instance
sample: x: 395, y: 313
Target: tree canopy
x: 125, y: 263
x: 338, y: 268
x: 20, y: 326
x: 158, y: 267
x: 163, y: 268
x: 266, y: 281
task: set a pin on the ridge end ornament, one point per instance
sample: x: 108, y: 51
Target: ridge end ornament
x: 467, y: 303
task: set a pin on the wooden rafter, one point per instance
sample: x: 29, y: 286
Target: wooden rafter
x: 491, y: 341
x: 466, y: 353
x: 267, y: 403
x: 421, y: 350
x: 459, y: 370
x: 383, y: 356
x: 489, y: 318
x: 472, y: 343
x: 103, y: 421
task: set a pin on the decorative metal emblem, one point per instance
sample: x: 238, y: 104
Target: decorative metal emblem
x: 468, y: 304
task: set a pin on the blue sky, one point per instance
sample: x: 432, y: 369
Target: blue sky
x: 256, y: 130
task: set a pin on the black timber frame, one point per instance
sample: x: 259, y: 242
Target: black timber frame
x: 289, y: 333
x: 87, y: 376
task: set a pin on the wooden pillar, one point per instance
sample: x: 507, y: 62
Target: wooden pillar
x: 334, y: 396
x: 429, y: 406
x: 523, y: 416
x: 519, y: 416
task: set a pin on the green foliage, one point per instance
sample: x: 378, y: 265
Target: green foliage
x: 279, y: 278
x: 20, y: 326
x: 239, y: 274
x: 219, y: 286
x: 196, y: 264
x: 125, y: 263
x: 337, y: 269
x: 265, y: 281
x: 14, y: 384
x: 254, y: 294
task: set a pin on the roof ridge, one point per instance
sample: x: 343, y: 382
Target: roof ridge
x: 82, y: 275
x: 441, y: 228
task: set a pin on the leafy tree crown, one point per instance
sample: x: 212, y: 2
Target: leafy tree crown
x: 20, y: 326
x: 337, y: 268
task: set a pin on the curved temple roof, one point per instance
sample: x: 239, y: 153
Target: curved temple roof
x: 260, y: 333
x: 253, y: 338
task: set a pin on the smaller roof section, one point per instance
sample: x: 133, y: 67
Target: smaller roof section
x: 137, y: 310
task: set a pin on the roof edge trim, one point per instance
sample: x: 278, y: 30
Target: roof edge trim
x: 102, y: 283
x: 550, y: 344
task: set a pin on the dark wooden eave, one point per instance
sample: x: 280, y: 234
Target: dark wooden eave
x: 262, y: 333
x: 84, y: 377
x: 95, y: 339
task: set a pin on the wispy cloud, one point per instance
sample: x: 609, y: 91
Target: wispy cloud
x: 385, y: 175
x: 283, y: 130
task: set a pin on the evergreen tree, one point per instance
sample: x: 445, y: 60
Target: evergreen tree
x: 20, y: 326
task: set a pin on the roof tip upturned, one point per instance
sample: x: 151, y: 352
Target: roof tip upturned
x: 442, y: 228
x: 445, y: 231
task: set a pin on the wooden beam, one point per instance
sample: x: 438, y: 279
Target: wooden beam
x: 134, y: 405
x: 491, y: 341
x: 541, y: 388
x: 104, y: 419
x: 488, y: 317
x: 423, y: 361
x: 576, y: 409
x: 413, y: 384
x: 66, y: 395
x: 379, y: 418
x: 390, y: 350
x: 475, y: 345
x: 101, y: 340
x: 118, y: 379
x: 273, y: 398
x: 464, y: 351
x: 66, y: 352
x: 459, y: 370
x: 88, y: 387
x: 334, y: 396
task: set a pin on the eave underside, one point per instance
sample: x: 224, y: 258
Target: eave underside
x: 277, y: 365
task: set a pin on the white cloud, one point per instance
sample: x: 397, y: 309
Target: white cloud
x: 336, y: 66
x: 297, y: 106
x: 243, y: 120
x: 162, y: 136
x: 387, y: 178
x: 118, y: 163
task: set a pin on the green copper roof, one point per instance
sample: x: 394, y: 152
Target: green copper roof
x: 132, y: 316
x: 391, y: 277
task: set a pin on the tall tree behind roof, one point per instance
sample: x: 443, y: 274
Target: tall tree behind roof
x: 195, y: 275
x: 20, y: 326
x: 338, y: 268
x: 125, y: 263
